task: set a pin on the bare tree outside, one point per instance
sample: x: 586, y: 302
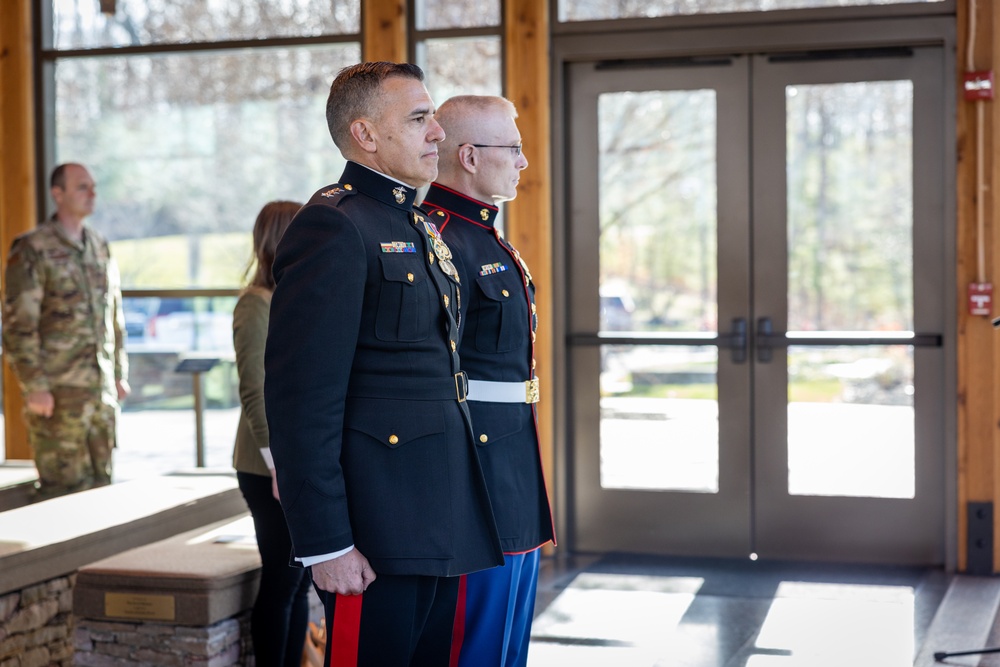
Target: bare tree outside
x: 461, y: 66
x: 594, y: 10
x: 79, y: 24
x: 658, y: 207
x: 441, y: 14
x: 850, y: 217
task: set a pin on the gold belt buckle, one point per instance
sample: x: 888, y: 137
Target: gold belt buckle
x: 461, y: 386
x: 531, y: 390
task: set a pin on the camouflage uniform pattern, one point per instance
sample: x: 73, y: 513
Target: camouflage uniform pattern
x: 63, y: 332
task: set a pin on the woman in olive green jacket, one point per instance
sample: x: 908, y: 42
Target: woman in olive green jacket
x: 281, y: 612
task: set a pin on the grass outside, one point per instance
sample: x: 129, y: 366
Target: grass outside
x: 812, y: 391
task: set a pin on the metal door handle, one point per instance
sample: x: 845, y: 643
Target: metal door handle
x: 738, y: 340
x: 765, y: 332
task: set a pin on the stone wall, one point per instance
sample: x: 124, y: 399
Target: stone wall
x: 36, y: 625
x: 128, y: 644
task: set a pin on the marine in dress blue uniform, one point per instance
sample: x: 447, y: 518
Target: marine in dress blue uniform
x: 369, y: 426
x: 497, y: 349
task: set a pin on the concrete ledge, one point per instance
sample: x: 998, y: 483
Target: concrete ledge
x: 45, y: 540
x: 17, y: 484
x: 197, y: 578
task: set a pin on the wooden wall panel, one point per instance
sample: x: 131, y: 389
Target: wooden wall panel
x: 18, y: 208
x: 383, y: 30
x: 984, y: 452
x: 978, y: 418
x: 529, y: 216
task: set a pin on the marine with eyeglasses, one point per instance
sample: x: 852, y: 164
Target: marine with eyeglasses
x: 479, y: 165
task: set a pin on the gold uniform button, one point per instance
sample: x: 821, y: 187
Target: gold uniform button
x: 447, y: 301
x: 348, y: 186
x: 505, y: 293
x: 409, y: 276
x: 532, y: 364
x: 483, y: 438
x: 393, y: 440
x: 532, y: 336
x: 453, y: 346
x: 533, y: 309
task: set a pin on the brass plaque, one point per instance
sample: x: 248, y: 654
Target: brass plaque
x: 134, y: 605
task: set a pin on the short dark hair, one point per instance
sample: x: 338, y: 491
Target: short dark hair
x: 354, y: 93
x: 58, y: 177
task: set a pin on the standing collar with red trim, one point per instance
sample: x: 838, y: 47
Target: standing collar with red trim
x: 457, y: 204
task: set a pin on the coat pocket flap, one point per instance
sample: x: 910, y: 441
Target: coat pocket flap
x: 393, y: 422
x: 403, y: 269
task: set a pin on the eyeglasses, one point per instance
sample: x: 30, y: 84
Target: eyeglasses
x: 516, y: 148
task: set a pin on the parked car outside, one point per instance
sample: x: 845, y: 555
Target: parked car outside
x: 174, y: 324
x: 616, y: 309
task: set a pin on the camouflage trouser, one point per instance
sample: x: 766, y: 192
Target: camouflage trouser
x: 73, y: 446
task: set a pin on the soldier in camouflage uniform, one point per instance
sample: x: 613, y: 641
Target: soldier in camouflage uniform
x: 63, y: 329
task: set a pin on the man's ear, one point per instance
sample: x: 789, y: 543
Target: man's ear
x: 467, y: 158
x: 57, y: 194
x: 364, y: 135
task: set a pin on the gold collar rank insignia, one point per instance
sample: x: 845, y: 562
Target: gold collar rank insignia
x: 398, y: 194
x: 484, y: 214
x: 330, y: 193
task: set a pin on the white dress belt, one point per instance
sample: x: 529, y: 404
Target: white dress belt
x: 503, y: 392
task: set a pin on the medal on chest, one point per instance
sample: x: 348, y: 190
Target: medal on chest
x: 441, y: 249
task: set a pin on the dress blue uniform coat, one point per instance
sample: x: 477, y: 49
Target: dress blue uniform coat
x: 498, y: 335
x: 364, y: 396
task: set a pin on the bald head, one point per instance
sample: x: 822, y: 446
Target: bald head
x: 486, y: 121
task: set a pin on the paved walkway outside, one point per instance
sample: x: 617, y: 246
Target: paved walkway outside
x: 154, y: 442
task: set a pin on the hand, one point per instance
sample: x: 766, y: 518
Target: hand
x: 348, y: 575
x: 40, y: 403
x: 123, y: 389
x: 274, y: 485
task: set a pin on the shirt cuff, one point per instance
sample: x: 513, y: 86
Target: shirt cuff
x: 309, y: 561
x: 268, y: 459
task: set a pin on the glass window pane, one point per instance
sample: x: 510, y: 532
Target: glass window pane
x: 592, y: 10
x: 659, y: 418
x: 438, y: 14
x: 186, y: 148
x: 658, y: 225
x: 462, y: 66
x: 174, y: 325
x: 850, y: 206
x: 156, y: 430
x: 79, y: 24
x: 851, y: 422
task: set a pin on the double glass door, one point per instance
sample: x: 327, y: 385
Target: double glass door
x: 757, y: 279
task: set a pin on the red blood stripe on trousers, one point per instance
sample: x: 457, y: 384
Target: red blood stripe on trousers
x: 343, y: 645
x: 458, y: 632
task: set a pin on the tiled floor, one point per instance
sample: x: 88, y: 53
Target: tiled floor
x: 626, y: 611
